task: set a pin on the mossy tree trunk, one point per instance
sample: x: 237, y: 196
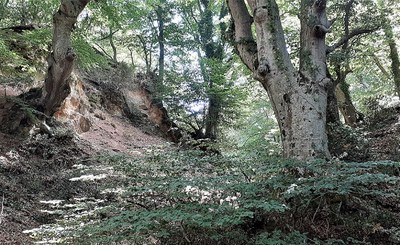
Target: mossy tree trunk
x: 393, y: 55
x: 213, y: 53
x: 346, y: 107
x: 161, y: 44
x: 61, y: 59
x: 299, y: 98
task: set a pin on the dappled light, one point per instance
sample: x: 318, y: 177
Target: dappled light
x: 199, y: 122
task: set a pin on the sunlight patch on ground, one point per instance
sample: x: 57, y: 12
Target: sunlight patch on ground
x: 89, y: 177
x: 51, y: 211
x: 113, y: 190
x: 80, y: 166
x: 74, y: 216
x: 53, y: 202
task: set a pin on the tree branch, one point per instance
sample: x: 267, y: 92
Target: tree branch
x: 354, y: 33
x: 108, y: 35
x: 103, y: 51
x: 380, y: 66
x: 244, y: 40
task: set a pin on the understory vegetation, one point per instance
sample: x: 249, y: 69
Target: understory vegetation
x: 199, y: 122
x: 187, y: 197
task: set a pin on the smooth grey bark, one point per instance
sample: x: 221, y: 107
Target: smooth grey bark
x: 299, y: 98
x: 61, y: 59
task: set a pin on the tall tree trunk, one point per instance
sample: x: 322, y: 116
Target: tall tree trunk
x: 347, y: 109
x: 212, y: 118
x: 332, y: 111
x: 112, y: 44
x: 391, y: 41
x: 213, y: 52
x: 394, y: 56
x: 147, y: 53
x: 345, y: 104
x: 61, y: 60
x: 161, y: 44
x: 299, y: 98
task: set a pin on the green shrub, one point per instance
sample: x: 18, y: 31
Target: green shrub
x: 185, y: 197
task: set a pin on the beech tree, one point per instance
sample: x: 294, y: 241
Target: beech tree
x: 299, y: 98
x: 61, y: 60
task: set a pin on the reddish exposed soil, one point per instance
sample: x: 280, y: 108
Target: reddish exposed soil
x: 117, y: 134
x: 39, y: 168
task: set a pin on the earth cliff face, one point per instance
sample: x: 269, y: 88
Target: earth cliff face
x: 39, y: 155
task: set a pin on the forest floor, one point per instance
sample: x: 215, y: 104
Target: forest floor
x: 383, y: 134
x: 42, y: 172
x: 44, y: 178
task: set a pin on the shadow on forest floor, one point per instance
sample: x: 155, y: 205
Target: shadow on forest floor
x: 52, y: 184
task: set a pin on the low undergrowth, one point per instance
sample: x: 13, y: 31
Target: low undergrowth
x: 185, y: 197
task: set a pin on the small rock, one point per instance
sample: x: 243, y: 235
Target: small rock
x: 100, y: 116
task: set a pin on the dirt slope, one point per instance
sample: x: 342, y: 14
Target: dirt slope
x: 384, y: 134
x: 41, y: 166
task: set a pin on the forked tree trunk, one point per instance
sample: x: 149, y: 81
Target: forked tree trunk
x: 299, y: 98
x: 61, y: 60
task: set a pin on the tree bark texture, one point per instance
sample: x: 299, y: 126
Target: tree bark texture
x: 347, y: 109
x: 332, y: 111
x: 61, y: 60
x: 299, y: 98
